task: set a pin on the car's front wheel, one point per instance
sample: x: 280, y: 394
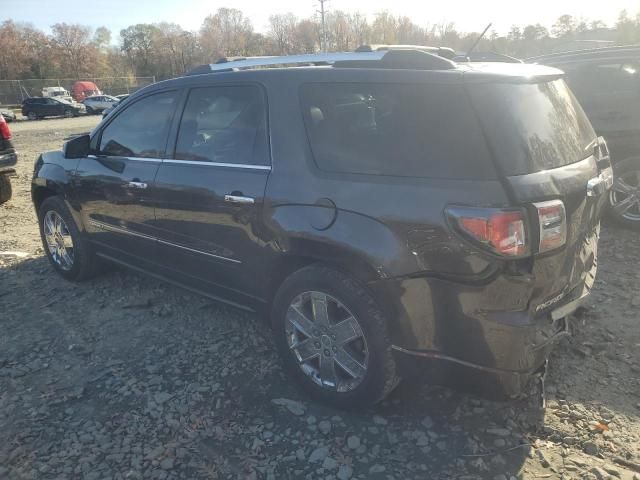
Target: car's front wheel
x: 333, y: 339
x: 624, y: 198
x: 69, y: 114
x: 68, y: 251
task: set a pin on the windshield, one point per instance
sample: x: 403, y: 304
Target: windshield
x: 533, y: 127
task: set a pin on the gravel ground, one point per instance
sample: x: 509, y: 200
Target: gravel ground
x: 124, y: 377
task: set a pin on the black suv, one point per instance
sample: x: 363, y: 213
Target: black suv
x: 606, y: 81
x: 384, y: 207
x: 40, y: 107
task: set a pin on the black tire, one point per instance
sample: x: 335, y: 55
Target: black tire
x: 380, y: 377
x: 626, y: 168
x: 5, y: 189
x: 69, y: 114
x: 32, y: 116
x: 85, y: 263
x: 90, y: 110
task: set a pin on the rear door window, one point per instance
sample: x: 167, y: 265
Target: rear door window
x: 141, y: 129
x: 224, y: 125
x: 407, y: 130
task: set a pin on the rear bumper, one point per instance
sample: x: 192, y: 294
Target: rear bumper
x: 444, y: 333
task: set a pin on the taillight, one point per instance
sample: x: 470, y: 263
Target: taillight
x: 552, y: 220
x: 5, y: 133
x: 502, y: 231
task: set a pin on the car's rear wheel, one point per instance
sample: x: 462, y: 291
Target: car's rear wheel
x: 32, y: 115
x: 624, y: 198
x: 68, y: 251
x: 332, y: 337
x: 5, y: 189
x: 90, y: 110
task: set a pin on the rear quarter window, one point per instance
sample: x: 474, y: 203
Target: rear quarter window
x: 407, y: 130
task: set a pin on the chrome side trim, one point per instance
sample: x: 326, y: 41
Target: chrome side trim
x: 218, y: 164
x: 125, y: 231
x: 135, y: 159
x: 182, y: 247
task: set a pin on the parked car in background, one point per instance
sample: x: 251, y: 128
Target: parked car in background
x: 606, y: 81
x: 98, y: 103
x: 83, y: 89
x: 397, y: 212
x: 8, y: 159
x: 57, y: 92
x: 8, y: 115
x: 107, y: 111
x: 39, y: 107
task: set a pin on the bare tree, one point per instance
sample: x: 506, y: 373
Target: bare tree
x: 138, y: 44
x: 226, y: 33
x: 565, y: 26
x: 102, y: 38
x: 164, y: 50
x: 75, y: 46
x: 307, y: 35
x: 282, y: 29
x: 384, y: 29
x: 339, y: 36
x: 359, y: 28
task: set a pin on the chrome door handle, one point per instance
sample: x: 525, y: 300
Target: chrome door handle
x: 137, y: 185
x: 239, y: 199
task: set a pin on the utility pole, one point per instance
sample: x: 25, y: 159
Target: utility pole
x: 324, y: 26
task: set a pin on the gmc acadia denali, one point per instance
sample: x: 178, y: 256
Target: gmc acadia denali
x: 391, y: 210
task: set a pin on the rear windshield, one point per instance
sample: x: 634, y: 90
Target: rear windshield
x: 424, y: 130
x: 533, y: 127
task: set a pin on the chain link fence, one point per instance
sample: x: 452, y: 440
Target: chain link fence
x: 13, y: 92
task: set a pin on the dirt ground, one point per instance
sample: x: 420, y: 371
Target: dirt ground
x: 124, y: 377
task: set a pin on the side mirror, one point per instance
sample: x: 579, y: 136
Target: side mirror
x: 76, y: 147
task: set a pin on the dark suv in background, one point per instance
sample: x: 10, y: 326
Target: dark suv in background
x: 606, y: 81
x: 40, y: 107
x: 388, y: 208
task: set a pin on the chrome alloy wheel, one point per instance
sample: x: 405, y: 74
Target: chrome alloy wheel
x: 58, y: 240
x: 327, y: 341
x: 625, y: 196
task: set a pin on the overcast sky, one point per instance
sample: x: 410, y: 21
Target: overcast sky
x: 467, y: 15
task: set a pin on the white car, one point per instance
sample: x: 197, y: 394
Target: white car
x: 98, y: 103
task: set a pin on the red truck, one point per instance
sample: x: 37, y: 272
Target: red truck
x: 84, y: 89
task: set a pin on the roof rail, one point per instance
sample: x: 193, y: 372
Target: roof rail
x: 223, y: 65
x: 445, y: 52
x: 487, y: 57
x: 399, y: 58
